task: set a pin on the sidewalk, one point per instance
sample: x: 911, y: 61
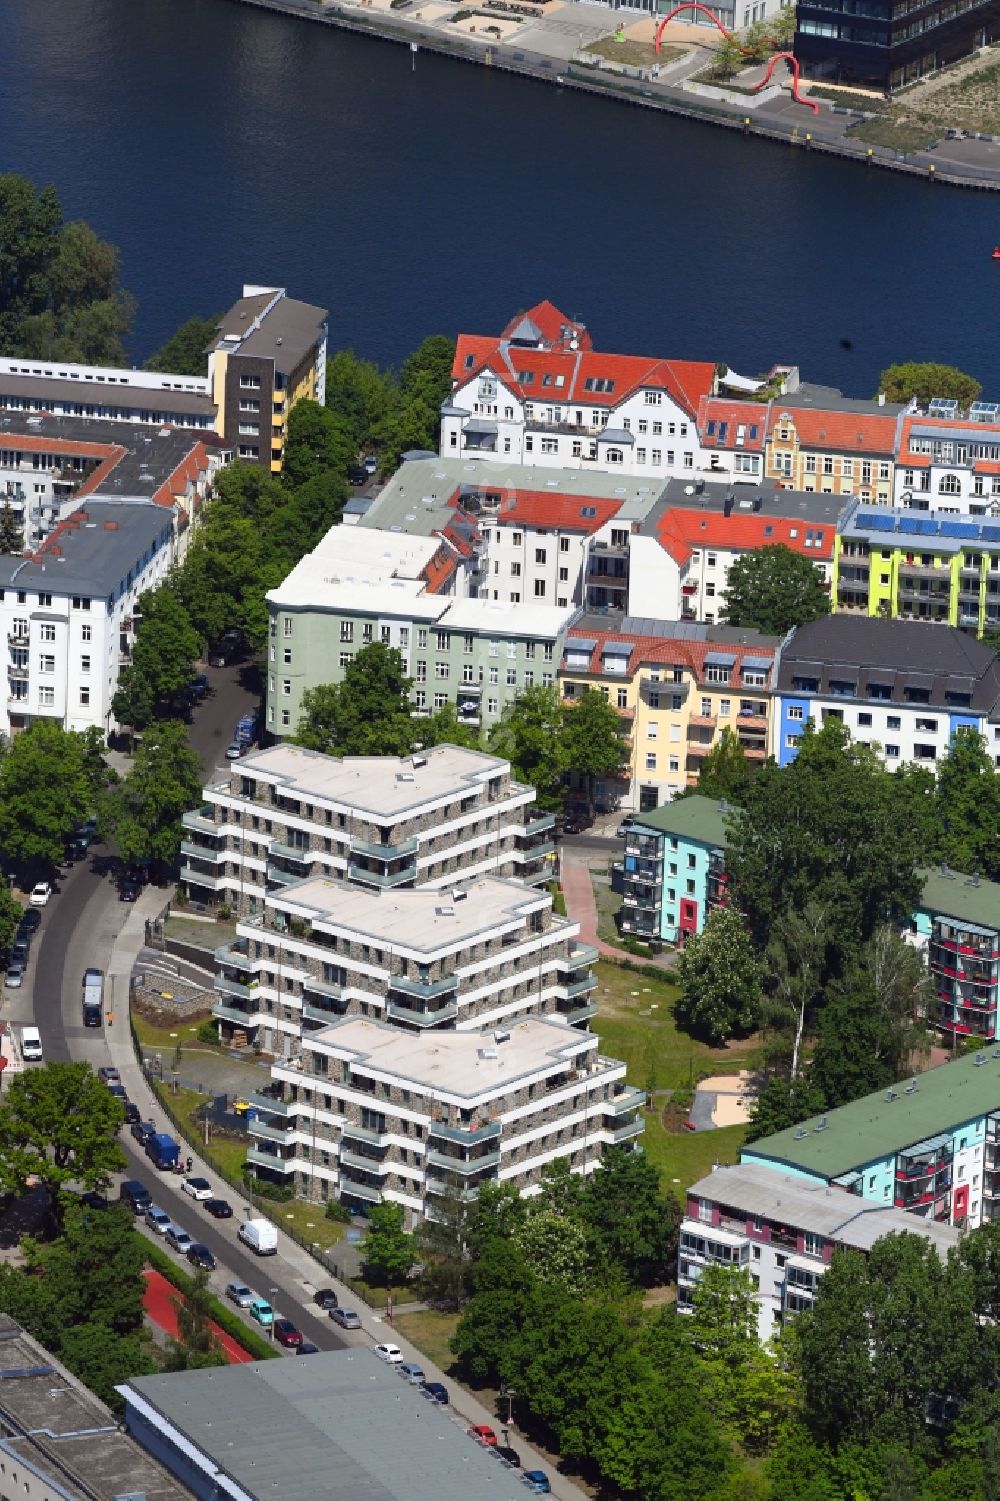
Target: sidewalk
x: 581, y: 906
x: 293, y: 1269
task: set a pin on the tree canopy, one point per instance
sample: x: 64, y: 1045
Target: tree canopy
x: 143, y: 812
x: 59, y: 291
x: 720, y: 980
x: 186, y: 351
x: 773, y: 589
x: 45, y: 792
x: 59, y: 1124
x: 529, y: 734
x: 925, y: 380
x: 368, y: 714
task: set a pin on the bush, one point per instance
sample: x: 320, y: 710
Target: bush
x: 208, y: 1031
x: 263, y: 1190
x: 335, y: 1210
x: 227, y: 1320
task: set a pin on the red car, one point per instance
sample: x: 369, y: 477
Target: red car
x: 484, y: 1433
x: 286, y: 1334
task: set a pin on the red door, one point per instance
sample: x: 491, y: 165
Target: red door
x: 960, y: 1208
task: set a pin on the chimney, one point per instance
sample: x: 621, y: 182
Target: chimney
x: 756, y: 502
x: 881, y: 398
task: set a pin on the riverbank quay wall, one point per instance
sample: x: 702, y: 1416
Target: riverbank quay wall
x: 509, y: 58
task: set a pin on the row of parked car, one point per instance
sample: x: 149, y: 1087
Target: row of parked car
x: 20, y: 949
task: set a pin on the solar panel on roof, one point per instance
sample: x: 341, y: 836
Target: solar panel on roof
x: 876, y: 523
x: 984, y: 411
x: 958, y: 529
x: 927, y: 526
x: 943, y: 406
x: 990, y: 533
x: 909, y: 524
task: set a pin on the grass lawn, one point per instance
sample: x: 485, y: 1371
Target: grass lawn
x: 223, y: 1152
x: 430, y: 1331
x: 633, y: 53
x: 164, y: 1039
x: 308, y: 1221
x: 684, y: 1157
x: 635, y: 1022
x: 900, y: 135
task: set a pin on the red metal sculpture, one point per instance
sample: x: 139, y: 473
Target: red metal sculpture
x: 778, y: 56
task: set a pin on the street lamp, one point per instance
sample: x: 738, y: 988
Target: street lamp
x: 274, y: 1291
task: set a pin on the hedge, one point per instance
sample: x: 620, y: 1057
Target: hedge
x: 229, y: 1322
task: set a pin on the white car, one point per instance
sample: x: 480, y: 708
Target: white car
x: 198, y: 1188
x: 392, y: 1354
x: 40, y: 894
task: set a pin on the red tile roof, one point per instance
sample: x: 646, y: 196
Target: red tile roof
x: 679, y: 531
x: 565, y: 373
x: 552, y: 324
x: 840, y: 432
x: 737, y: 416
x: 660, y: 650
x: 543, y: 508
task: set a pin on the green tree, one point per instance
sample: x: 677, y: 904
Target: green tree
x: 443, y: 1242
x: 773, y: 589
x: 967, y: 805
x: 186, y: 351
x: 103, y: 1360
x: 595, y: 740
x: 782, y: 1103
x: 163, y: 783
x: 229, y: 568
x: 360, y: 394
x: 555, y: 1251
x: 318, y: 443
x: 413, y: 420
x: 444, y: 727
x: 727, y: 58
x: 43, y: 792
x: 747, y: 1388
x: 925, y: 380
x: 720, y: 980
x: 388, y: 1249
x: 824, y: 830
x: 59, y: 1124
x: 795, y: 963
x: 529, y: 734
x: 11, y: 529
x: 10, y: 916
x: 633, y: 1224
x: 197, y: 1344
x: 725, y: 772
x: 368, y: 714
x: 163, y: 657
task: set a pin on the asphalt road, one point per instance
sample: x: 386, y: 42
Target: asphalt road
x: 78, y: 929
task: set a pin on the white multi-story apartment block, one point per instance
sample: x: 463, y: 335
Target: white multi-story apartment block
x: 950, y: 464
x: 540, y: 394
x: 485, y: 953
x: 902, y: 686
x: 784, y: 1231
x: 68, y: 612
x: 368, y: 1114
x: 284, y: 813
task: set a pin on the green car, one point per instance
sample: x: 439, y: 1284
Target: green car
x: 262, y: 1312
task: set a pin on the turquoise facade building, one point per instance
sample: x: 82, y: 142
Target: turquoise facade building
x: 673, y: 870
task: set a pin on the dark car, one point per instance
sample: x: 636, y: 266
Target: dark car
x: 136, y: 1195
x: 128, y: 891
x: 143, y: 1130
x: 219, y: 1209
x: 118, y: 1090
x: 508, y: 1455
x: 94, y: 1200
x: 286, y: 1334
x: 325, y: 1298
x: 307, y: 1348
x: 131, y: 1113
x: 19, y: 951
x: 199, y: 685
x: 201, y: 1256
x: 30, y: 918
x: 436, y: 1390
x: 76, y: 849
x: 357, y: 475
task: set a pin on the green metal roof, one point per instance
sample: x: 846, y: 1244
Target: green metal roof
x: 956, y: 896
x: 876, y: 1127
x: 701, y: 818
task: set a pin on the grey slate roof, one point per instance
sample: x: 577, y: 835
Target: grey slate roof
x: 178, y: 404
x: 893, y: 653
x: 337, y: 1427
x: 95, y: 557
x: 286, y: 334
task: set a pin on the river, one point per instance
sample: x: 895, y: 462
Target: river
x: 215, y: 143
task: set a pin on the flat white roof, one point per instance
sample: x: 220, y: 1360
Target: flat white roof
x: 453, y: 1062
x: 420, y: 921
x: 493, y: 617
x: 381, y: 786
x: 350, y: 568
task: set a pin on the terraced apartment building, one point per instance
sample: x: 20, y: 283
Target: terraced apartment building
x: 385, y: 822
x: 369, y: 1114
x: 484, y: 953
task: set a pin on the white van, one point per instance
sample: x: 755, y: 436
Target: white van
x: 260, y: 1236
x: 31, y: 1045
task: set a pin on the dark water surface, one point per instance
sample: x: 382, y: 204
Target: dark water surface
x: 215, y: 143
